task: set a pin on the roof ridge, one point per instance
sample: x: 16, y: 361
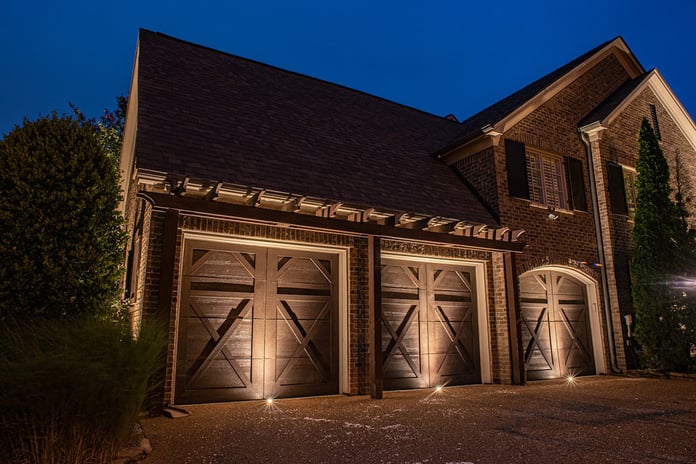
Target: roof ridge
x: 298, y: 74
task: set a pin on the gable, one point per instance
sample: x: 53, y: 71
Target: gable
x: 484, y: 129
x: 607, y: 113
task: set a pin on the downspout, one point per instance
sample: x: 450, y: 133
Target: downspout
x: 600, y: 251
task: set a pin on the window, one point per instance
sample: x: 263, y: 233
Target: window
x: 655, y: 123
x: 545, y: 178
x: 622, y: 189
x: 630, y: 188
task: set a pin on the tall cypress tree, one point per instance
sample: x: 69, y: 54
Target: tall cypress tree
x: 658, y: 257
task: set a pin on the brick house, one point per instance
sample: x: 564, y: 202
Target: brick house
x: 557, y: 159
x: 301, y: 238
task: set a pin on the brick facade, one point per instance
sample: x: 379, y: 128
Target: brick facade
x: 148, y: 291
x: 545, y: 116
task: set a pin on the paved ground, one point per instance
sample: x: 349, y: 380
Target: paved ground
x: 596, y: 420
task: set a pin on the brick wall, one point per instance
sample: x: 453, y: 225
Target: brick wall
x: 480, y: 171
x: 359, y: 328
x: 619, y: 144
x: 570, y: 240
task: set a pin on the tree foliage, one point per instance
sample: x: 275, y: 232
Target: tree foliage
x: 62, y: 245
x: 662, y: 258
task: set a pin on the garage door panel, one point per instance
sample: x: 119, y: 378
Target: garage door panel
x: 400, y: 278
x: 303, y: 272
x: 555, y: 326
x: 218, y: 306
x: 219, y: 375
x: 428, y: 336
x: 223, y: 265
x: 445, y: 280
x: 256, y: 322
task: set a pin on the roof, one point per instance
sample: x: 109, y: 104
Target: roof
x: 491, y: 116
x: 207, y: 114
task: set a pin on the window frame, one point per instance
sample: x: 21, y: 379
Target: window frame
x: 547, y: 187
x: 630, y: 199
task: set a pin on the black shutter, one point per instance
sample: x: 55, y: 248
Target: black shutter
x: 576, y: 184
x: 617, y: 191
x: 516, y: 162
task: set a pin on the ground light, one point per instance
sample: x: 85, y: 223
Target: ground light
x: 270, y: 404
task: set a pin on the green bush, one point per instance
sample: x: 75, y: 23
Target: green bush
x: 62, y: 245
x: 72, y: 391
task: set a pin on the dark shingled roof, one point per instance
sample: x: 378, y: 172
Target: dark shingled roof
x: 612, y: 101
x: 211, y: 115
x: 471, y: 127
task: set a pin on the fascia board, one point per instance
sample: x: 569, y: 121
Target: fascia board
x: 126, y: 162
x: 617, y: 47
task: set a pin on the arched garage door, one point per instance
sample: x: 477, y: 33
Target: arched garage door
x: 256, y: 322
x: 429, y: 324
x: 556, y: 335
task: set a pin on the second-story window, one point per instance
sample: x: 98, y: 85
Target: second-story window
x: 630, y: 186
x: 622, y: 189
x: 545, y: 178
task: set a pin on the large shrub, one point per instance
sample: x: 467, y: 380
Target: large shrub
x: 61, y: 245
x: 72, y: 390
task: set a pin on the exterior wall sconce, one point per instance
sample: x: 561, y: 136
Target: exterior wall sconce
x: 551, y: 215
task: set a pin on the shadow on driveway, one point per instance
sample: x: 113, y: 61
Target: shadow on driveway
x: 594, y: 420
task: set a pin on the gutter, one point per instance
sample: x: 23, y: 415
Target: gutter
x: 600, y: 251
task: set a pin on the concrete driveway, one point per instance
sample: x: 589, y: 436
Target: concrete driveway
x: 594, y: 420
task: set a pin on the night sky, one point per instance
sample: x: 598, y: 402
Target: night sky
x: 438, y: 56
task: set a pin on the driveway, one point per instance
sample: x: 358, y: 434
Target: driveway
x: 594, y: 420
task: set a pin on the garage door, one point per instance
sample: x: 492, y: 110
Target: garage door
x: 256, y: 322
x: 556, y: 336
x: 429, y: 331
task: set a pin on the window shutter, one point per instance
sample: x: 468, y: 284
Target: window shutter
x: 617, y: 192
x: 516, y: 163
x: 576, y: 184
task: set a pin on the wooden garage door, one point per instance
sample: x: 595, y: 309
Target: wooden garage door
x: 429, y: 330
x: 556, y: 336
x: 256, y: 322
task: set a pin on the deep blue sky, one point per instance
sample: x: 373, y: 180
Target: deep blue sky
x: 440, y: 56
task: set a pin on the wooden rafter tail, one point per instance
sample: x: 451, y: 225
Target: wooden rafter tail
x: 178, y: 188
x: 516, y: 234
x: 328, y: 211
x: 417, y: 224
x: 478, y: 229
x: 435, y: 225
x: 255, y: 199
x: 214, y: 191
x: 361, y: 216
x: 293, y: 204
x: 501, y: 233
x: 461, y: 229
